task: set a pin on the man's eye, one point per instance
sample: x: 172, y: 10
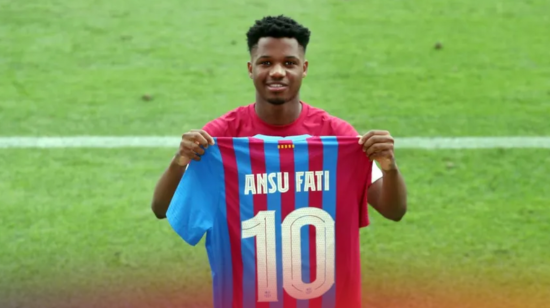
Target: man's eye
x: 266, y: 63
x: 290, y: 63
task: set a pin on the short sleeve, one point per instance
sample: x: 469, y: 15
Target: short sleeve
x: 342, y: 128
x: 216, y: 128
x: 192, y: 210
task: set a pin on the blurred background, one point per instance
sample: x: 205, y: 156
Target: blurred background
x: 76, y: 229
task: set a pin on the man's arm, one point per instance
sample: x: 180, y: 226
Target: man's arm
x: 165, y: 188
x: 388, y: 195
x: 190, y: 148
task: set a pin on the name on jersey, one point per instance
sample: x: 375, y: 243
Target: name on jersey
x: 278, y: 182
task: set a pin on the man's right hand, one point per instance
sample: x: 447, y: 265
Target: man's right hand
x: 190, y: 146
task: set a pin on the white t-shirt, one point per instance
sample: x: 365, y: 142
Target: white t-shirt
x: 376, y: 172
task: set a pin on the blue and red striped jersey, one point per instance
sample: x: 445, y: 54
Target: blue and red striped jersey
x: 281, y: 217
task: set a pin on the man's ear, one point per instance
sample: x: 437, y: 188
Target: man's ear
x: 249, y: 69
x: 305, y: 67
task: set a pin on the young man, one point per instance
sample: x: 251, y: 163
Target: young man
x: 259, y: 253
x: 277, y: 47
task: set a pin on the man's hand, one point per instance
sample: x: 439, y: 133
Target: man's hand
x: 387, y: 195
x: 378, y: 145
x: 190, y: 146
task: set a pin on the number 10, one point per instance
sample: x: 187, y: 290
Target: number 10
x: 262, y: 226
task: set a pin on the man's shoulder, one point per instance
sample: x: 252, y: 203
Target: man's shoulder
x: 221, y: 126
x: 317, y: 112
x: 234, y: 114
x: 320, y: 113
x: 337, y: 125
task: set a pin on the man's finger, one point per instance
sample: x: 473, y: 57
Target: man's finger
x: 208, y: 138
x: 189, y: 148
x: 375, y: 148
x: 378, y: 147
x: 366, y: 137
x: 378, y: 139
x: 380, y: 132
x: 205, y: 135
x: 197, y: 149
x: 373, y: 133
x: 381, y: 154
x: 198, y: 138
x: 190, y: 155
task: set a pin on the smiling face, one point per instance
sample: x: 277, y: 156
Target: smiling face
x: 277, y: 67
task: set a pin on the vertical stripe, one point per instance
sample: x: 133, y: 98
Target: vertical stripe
x: 248, y: 251
x: 315, y: 147
x: 348, y: 269
x: 286, y: 154
x: 233, y: 215
x: 272, y: 164
x: 330, y: 161
x: 258, y: 164
x: 341, y: 229
x: 217, y: 242
x: 301, y: 164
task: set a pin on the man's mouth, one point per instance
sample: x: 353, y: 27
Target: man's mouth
x: 276, y: 87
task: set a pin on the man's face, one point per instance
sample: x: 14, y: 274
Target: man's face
x: 277, y: 67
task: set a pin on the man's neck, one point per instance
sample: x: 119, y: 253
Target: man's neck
x: 278, y: 114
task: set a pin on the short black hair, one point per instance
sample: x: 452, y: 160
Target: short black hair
x: 277, y: 27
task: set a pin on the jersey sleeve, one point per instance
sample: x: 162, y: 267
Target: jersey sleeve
x: 192, y: 209
x: 342, y: 128
x: 216, y: 128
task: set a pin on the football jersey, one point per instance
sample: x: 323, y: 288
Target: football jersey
x: 281, y: 217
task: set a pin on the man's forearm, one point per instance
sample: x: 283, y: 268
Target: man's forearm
x: 166, y: 186
x: 393, y: 197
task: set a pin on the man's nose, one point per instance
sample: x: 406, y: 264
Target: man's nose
x: 277, y: 72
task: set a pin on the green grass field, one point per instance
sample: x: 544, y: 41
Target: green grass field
x: 76, y: 228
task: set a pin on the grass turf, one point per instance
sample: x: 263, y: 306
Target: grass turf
x: 74, y: 223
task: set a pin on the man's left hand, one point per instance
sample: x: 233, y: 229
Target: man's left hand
x: 378, y: 145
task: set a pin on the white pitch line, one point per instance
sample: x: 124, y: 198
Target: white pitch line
x: 89, y: 142
x: 173, y: 142
x: 473, y: 142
